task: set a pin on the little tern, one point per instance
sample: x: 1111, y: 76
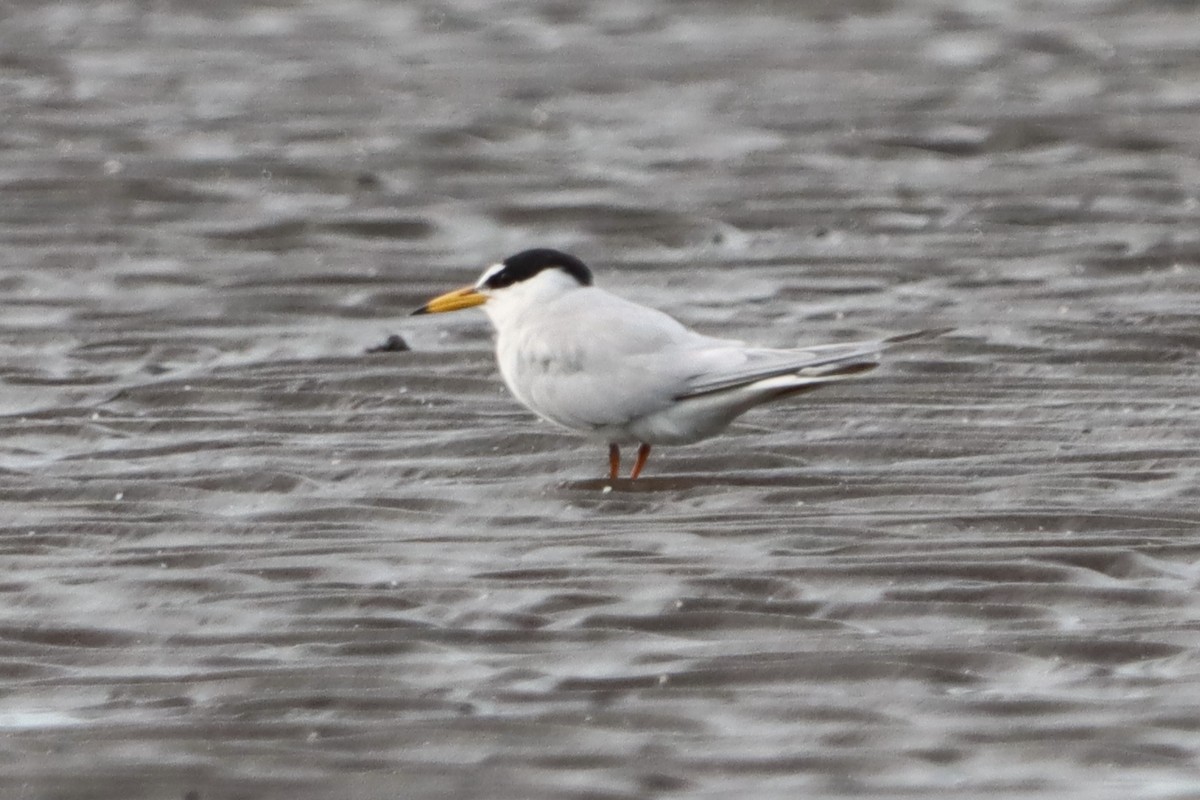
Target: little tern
x: 621, y: 373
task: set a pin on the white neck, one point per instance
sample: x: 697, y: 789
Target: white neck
x: 505, y: 306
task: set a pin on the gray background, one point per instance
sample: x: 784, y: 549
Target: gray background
x: 242, y: 558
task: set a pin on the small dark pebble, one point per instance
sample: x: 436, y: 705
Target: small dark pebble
x: 392, y: 344
x: 661, y: 783
x: 367, y: 181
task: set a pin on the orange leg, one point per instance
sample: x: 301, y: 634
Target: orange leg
x: 643, y: 454
x: 614, y: 462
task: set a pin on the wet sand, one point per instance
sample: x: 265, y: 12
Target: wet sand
x: 244, y: 558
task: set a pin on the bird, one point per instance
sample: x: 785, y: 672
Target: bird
x: 621, y: 373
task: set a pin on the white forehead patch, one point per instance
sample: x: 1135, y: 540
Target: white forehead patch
x: 487, y: 274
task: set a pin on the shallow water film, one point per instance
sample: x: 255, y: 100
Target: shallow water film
x: 246, y: 558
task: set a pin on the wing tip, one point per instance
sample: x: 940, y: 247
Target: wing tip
x: 917, y: 336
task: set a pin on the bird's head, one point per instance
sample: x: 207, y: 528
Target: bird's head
x: 530, y: 277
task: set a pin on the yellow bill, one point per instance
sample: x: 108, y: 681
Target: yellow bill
x: 452, y: 301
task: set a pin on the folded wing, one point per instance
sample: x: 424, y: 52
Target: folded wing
x: 809, y: 365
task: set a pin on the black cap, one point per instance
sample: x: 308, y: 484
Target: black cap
x: 527, y: 263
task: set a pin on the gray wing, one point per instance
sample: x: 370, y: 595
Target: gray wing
x: 592, y: 359
x: 811, y: 362
x: 821, y: 361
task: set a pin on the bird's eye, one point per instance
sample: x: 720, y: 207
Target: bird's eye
x: 499, y: 280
